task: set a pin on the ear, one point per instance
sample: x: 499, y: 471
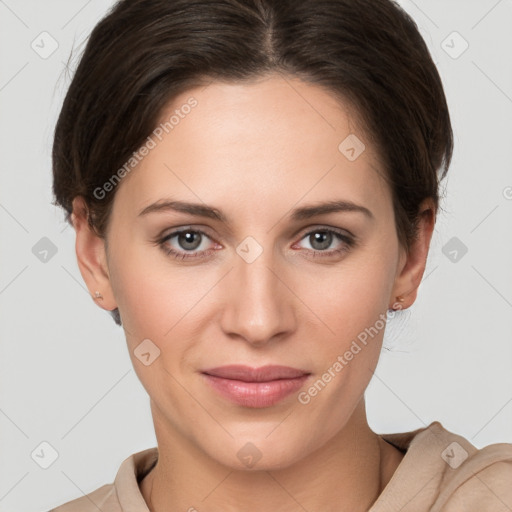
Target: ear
x: 91, y: 256
x: 412, y: 265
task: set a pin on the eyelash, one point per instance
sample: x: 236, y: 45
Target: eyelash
x: 347, y: 240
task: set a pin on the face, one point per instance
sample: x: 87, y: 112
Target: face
x: 251, y: 275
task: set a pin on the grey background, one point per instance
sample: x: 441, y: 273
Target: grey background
x: 65, y: 374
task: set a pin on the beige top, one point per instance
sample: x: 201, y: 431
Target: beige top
x: 440, y: 471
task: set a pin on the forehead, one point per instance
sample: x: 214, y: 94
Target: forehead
x: 275, y: 139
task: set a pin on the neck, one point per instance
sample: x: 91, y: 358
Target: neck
x: 347, y: 473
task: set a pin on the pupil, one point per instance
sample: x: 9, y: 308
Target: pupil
x: 186, y: 240
x: 324, y: 238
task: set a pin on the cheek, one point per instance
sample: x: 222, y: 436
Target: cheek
x: 156, y: 298
x: 142, y: 293
x: 352, y: 305
x: 155, y: 304
x: 358, y: 324
x: 351, y: 297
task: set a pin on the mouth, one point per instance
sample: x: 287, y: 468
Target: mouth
x: 255, y: 387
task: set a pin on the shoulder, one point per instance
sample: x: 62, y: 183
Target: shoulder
x: 483, y: 481
x: 442, y: 471
x: 473, y: 480
x: 104, y: 498
x: 123, y: 493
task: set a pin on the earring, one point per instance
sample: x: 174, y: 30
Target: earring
x: 400, y: 299
x: 97, y: 296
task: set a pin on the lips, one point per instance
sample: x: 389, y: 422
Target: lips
x: 255, y: 387
x: 262, y: 374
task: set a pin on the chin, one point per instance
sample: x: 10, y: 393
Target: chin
x: 258, y: 453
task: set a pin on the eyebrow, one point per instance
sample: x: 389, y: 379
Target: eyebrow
x: 302, y: 213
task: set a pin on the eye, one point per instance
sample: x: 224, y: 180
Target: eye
x: 322, y: 239
x: 183, y: 243
x: 188, y: 243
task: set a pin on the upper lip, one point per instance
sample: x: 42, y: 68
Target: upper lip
x: 261, y: 374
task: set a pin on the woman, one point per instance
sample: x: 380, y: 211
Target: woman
x: 254, y: 186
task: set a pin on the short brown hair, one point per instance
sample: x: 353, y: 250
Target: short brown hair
x: 145, y: 52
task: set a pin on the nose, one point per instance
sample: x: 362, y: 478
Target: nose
x: 259, y: 307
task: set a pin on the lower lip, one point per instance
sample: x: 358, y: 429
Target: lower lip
x: 255, y: 394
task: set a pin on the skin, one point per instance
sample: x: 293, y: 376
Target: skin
x: 255, y: 151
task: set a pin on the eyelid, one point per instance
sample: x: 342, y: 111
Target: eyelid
x: 325, y: 227
x: 302, y: 231
x: 170, y: 232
